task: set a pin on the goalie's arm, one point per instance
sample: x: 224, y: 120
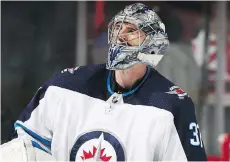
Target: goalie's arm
x: 34, y: 130
x: 36, y: 121
x: 189, y: 132
x: 170, y: 147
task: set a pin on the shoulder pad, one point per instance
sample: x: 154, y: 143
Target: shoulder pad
x: 175, y: 90
x: 70, y: 70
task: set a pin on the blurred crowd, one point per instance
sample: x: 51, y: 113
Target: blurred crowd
x: 39, y: 39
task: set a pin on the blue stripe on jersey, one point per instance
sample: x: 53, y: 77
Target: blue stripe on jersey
x: 35, y: 144
x: 129, y: 92
x: 34, y: 135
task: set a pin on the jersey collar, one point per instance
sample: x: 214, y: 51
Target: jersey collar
x: 131, y: 91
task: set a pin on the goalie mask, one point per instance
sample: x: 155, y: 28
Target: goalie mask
x: 144, y: 42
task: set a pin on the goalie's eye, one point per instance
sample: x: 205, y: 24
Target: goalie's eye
x: 117, y: 27
x: 131, y: 30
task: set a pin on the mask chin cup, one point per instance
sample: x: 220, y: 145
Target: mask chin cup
x: 150, y: 59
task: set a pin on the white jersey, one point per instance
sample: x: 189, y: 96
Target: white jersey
x: 71, y: 124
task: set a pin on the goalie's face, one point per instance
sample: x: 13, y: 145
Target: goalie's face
x: 133, y: 34
x: 127, y: 34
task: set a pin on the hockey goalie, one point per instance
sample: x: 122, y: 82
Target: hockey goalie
x: 122, y: 110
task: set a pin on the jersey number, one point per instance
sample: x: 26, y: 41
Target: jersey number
x: 196, y: 140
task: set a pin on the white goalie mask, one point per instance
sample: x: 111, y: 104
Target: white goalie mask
x: 150, y: 51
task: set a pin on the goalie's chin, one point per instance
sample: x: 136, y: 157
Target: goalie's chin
x: 20, y: 150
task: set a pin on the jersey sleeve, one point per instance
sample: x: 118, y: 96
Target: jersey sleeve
x: 188, y: 130
x: 171, y: 148
x: 36, y: 121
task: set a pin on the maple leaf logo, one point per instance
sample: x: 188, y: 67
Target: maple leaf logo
x: 90, y: 155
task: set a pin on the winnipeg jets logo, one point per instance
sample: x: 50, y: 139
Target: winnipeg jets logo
x: 98, y: 152
x: 178, y: 91
x: 97, y: 146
